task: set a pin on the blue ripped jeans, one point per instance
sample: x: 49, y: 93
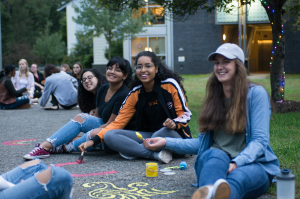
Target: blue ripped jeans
x: 72, y: 129
x: 247, y: 181
x: 59, y: 186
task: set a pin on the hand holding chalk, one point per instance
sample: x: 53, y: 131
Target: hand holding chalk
x: 139, y: 136
x: 182, y: 166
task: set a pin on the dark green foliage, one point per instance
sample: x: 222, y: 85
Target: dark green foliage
x: 116, y: 49
x: 23, y: 22
x: 49, y: 47
x: 82, y: 52
x: 293, y: 8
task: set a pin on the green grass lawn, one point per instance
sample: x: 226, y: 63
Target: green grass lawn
x: 284, y: 129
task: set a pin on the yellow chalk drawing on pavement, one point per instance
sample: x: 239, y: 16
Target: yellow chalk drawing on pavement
x: 109, y: 190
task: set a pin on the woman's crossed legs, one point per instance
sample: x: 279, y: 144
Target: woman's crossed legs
x: 247, y: 181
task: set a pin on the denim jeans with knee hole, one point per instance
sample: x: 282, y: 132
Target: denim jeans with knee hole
x: 59, y: 186
x: 72, y: 129
x: 247, y: 181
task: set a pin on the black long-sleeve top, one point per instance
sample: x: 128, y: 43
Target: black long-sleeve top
x: 10, y: 87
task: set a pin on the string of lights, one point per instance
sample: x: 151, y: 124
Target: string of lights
x: 274, y: 50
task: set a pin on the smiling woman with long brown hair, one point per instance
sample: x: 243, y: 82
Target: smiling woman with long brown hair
x: 234, y: 159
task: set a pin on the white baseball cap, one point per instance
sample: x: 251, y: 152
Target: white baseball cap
x: 230, y: 51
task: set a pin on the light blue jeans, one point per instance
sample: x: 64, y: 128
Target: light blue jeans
x: 59, y: 185
x: 69, y: 131
x: 248, y: 181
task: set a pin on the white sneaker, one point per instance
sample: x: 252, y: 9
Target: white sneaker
x: 204, y: 192
x: 35, y: 100
x: 165, y: 156
x: 221, y: 189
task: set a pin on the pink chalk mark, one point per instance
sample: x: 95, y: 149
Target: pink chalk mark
x: 67, y: 163
x: 15, y: 142
x: 93, y: 174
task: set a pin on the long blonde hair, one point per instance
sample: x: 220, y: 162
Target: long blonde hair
x: 27, y: 68
x: 213, y: 114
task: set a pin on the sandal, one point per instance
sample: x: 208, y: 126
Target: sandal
x: 52, y: 108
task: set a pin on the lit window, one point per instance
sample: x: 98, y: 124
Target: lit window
x: 153, y: 44
x: 156, y: 11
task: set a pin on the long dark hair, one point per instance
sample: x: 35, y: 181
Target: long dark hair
x: 87, y: 99
x: 125, y: 67
x: 162, y: 74
x: 213, y: 114
x: 50, y: 69
x: 7, y: 69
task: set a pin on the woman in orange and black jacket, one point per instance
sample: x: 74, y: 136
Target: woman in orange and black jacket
x: 158, y: 104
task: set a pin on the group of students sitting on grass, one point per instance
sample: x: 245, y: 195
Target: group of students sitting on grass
x: 234, y: 159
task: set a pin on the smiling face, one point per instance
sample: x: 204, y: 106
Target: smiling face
x: 22, y: 66
x: 114, y: 74
x: 145, y: 70
x: 89, y: 81
x: 224, y: 69
x: 33, y: 68
x: 76, y: 69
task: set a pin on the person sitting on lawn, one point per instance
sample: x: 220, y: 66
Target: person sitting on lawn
x: 10, y: 98
x: 109, y: 99
x: 234, y: 159
x: 159, y: 104
x: 35, y: 180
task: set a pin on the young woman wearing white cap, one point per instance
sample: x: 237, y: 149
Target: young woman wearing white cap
x: 235, y: 159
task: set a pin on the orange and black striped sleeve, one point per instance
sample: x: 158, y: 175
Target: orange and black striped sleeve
x: 180, y: 105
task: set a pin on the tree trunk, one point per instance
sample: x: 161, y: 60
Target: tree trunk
x: 274, y: 10
x: 109, y: 50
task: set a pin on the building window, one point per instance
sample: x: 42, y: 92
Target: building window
x: 156, y: 11
x: 153, y: 44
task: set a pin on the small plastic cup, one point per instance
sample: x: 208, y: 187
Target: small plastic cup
x: 151, y: 169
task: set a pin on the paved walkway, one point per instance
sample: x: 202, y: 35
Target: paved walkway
x: 103, y: 175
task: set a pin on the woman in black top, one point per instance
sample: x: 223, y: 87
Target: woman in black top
x: 77, y: 70
x: 109, y: 99
x: 9, y: 97
x: 87, y: 93
x: 38, y: 78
